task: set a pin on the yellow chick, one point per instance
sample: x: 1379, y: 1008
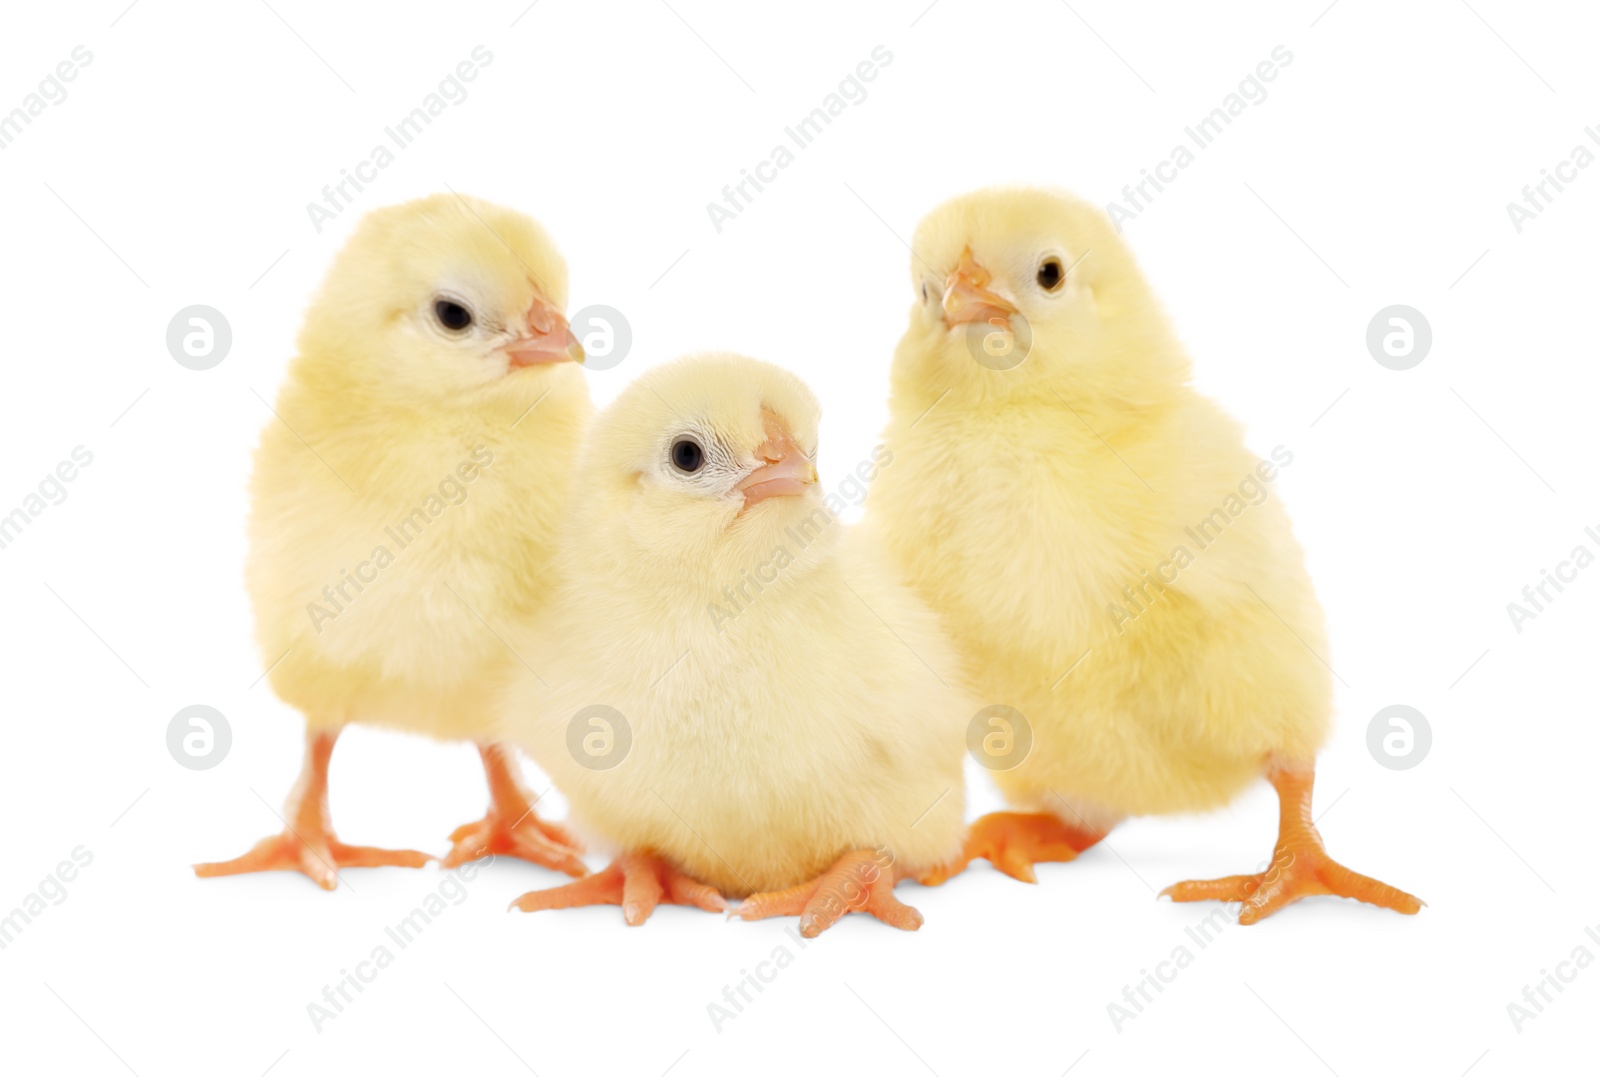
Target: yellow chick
x: 1105, y: 552
x: 741, y: 695
x: 404, y: 506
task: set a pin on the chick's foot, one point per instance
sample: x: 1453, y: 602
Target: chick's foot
x: 1015, y: 841
x: 636, y: 881
x: 861, y: 881
x: 510, y: 827
x: 1301, y: 866
x: 308, y: 844
x: 316, y: 854
x: 529, y: 839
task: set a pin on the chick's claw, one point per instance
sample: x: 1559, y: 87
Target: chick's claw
x: 636, y: 881
x: 860, y: 882
x: 316, y: 855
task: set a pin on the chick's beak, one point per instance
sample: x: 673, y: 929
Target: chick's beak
x: 967, y: 297
x: 546, y: 338
x: 783, y: 467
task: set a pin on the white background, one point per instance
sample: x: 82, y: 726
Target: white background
x: 1376, y: 172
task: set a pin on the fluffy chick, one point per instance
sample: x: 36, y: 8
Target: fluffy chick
x: 405, y: 500
x: 741, y: 695
x: 1107, y: 555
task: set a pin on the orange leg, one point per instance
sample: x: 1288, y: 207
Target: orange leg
x: 861, y: 881
x: 510, y: 826
x: 1301, y: 866
x: 636, y: 881
x: 308, y: 844
x: 1014, y: 842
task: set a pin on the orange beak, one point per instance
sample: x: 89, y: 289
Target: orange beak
x: 547, y: 338
x: 967, y: 297
x: 783, y: 468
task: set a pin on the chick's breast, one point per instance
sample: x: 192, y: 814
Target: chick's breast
x: 1038, y: 551
x: 380, y: 571
x: 763, y: 752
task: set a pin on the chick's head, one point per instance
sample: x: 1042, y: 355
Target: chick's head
x: 1015, y: 287
x: 445, y: 296
x: 699, y: 466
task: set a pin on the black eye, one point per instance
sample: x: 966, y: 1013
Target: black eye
x: 452, y: 315
x: 1050, y: 275
x: 687, y: 455
x: 924, y: 291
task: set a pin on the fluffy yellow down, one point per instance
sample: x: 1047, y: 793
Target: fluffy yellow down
x: 405, y: 472
x: 768, y: 736
x: 1026, y: 500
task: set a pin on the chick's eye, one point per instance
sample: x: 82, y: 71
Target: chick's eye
x: 1050, y: 275
x: 452, y: 315
x: 687, y: 455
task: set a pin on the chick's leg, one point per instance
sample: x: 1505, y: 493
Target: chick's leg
x: 510, y: 826
x: 1015, y: 841
x: 636, y: 881
x: 1301, y: 866
x: 862, y: 881
x: 308, y: 844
